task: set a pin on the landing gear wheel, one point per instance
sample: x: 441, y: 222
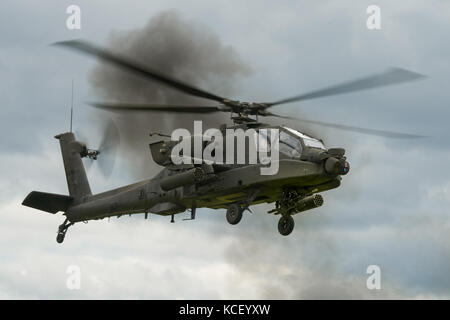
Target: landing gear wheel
x: 286, y: 225
x: 60, y: 237
x: 234, y: 213
x: 62, y: 229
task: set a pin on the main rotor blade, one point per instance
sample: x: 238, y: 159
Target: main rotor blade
x: 389, y: 77
x: 154, y: 107
x: 138, y: 68
x: 373, y: 132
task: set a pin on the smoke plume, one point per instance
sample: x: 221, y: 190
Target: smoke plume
x: 176, y: 47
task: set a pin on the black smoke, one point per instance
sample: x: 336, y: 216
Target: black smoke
x: 180, y: 48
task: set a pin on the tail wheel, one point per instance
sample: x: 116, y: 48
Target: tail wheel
x: 234, y: 214
x: 62, y: 229
x: 286, y: 225
x: 60, y: 237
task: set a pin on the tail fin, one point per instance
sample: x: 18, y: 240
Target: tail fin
x: 77, y: 181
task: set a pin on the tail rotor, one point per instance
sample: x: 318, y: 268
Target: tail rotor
x: 106, y: 152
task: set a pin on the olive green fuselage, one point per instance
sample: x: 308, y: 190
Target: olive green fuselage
x: 218, y: 190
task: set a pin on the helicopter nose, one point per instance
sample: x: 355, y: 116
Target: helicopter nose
x: 337, y: 166
x: 346, y: 168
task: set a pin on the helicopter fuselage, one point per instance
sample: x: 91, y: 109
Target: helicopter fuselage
x: 174, y: 190
x: 227, y: 187
x: 304, y: 169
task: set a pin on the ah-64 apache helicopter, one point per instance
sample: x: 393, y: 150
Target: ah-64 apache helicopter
x: 306, y: 166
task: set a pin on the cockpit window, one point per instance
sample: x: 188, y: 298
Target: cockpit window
x: 289, y: 142
x: 307, y: 140
x: 289, y: 145
x: 313, y: 143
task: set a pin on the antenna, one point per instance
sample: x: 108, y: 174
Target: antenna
x: 71, y: 109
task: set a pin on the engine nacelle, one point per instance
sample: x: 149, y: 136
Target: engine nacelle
x: 182, y: 179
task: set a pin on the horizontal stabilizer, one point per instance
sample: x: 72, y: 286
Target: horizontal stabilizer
x: 48, y: 202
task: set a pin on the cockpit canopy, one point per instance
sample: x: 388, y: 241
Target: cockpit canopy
x: 307, y: 140
x: 291, y: 142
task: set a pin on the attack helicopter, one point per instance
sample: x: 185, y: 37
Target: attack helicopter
x: 306, y: 167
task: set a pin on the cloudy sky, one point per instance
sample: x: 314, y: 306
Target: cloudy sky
x: 391, y: 210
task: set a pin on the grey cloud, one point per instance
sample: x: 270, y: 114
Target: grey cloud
x: 391, y: 209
